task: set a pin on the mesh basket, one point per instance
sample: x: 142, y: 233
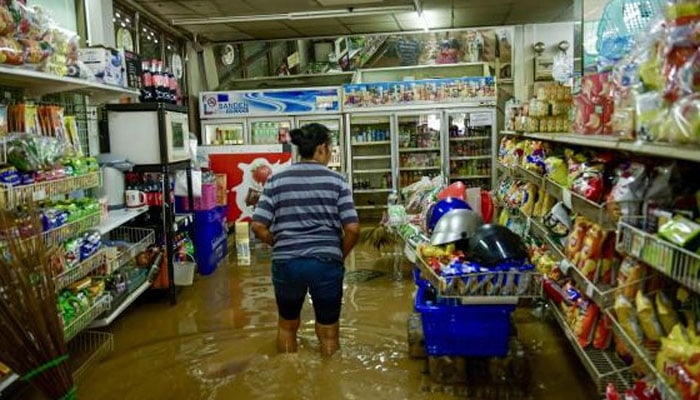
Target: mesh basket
x: 622, y: 21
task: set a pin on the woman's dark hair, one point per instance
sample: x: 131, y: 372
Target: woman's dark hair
x: 308, y: 137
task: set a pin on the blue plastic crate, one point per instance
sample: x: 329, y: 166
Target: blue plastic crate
x: 209, y: 235
x: 464, y: 330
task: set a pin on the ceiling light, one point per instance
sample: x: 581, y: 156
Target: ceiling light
x: 343, y: 13
x: 117, y: 14
x: 127, y: 20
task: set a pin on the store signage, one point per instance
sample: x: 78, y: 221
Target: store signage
x: 427, y: 91
x: 480, y: 119
x: 245, y: 103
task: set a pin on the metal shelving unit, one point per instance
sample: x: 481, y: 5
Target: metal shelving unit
x: 131, y: 297
x: 117, y: 218
x: 12, y: 196
x: 418, y: 149
x: 71, y: 229
x: 373, y: 143
x: 87, y: 349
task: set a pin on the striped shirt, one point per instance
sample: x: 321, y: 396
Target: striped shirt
x: 306, y: 206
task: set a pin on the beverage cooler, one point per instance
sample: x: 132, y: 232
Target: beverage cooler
x: 250, y: 118
x: 399, y: 132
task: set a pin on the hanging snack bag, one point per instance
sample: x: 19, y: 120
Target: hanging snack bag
x: 603, y: 333
x: 584, y: 327
x: 574, y: 241
x: 629, y: 277
x: 627, y: 317
x: 648, y: 319
x: 667, y: 313
x: 591, y: 251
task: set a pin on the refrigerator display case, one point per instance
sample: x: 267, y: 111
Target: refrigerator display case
x: 270, y: 130
x: 224, y: 133
x: 471, y: 146
x: 419, y: 146
x: 370, y: 163
x: 335, y: 124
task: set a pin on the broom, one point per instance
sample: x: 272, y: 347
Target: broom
x: 377, y: 237
x: 31, y: 336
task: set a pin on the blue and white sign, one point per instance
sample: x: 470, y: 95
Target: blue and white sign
x: 265, y: 103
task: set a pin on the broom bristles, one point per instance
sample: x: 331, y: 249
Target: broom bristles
x: 31, y: 336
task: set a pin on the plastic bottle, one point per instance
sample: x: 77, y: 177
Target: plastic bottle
x: 146, y: 82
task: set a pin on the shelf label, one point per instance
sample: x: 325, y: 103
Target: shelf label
x: 566, y: 198
x: 39, y: 195
x: 409, y: 253
x: 481, y: 119
x: 589, y: 290
x: 564, y: 266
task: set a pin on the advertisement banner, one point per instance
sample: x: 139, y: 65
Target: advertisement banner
x: 266, y: 103
x: 246, y: 175
x: 419, y: 92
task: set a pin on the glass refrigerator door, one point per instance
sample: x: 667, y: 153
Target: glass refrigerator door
x: 470, y: 147
x: 337, y: 146
x: 369, y: 141
x: 223, y: 133
x: 270, y: 131
x: 419, y: 149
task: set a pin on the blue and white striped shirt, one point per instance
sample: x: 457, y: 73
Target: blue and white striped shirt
x: 306, y: 206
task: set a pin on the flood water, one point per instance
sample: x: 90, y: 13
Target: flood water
x: 218, y: 343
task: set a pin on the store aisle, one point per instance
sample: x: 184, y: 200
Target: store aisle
x: 218, y: 343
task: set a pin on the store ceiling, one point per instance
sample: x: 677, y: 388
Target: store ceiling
x: 441, y: 14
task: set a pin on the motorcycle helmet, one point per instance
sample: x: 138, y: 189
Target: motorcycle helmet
x: 456, y: 225
x: 442, y: 207
x: 492, y: 244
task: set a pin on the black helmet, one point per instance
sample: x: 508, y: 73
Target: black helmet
x: 494, y: 244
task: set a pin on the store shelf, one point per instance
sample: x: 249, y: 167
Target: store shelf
x: 646, y: 355
x: 86, y: 350
x: 364, y: 158
x: 418, y: 149
x: 71, y: 229
x: 469, y: 177
x: 85, y: 319
x: 375, y: 207
x: 106, y: 321
x: 673, y: 261
x: 603, y: 366
x: 40, y: 83
x: 183, y: 221
x: 132, y: 242
x: 369, y: 191
x: 81, y: 270
x: 426, y: 168
x: 12, y: 196
x: 462, y: 158
x: 7, y: 381
x: 689, y: 153
x: 117, y: 218
x: 468, y: 138
x: 375, y: 143
x: 372, y: 171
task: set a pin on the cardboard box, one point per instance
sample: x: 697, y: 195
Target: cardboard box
x: 243, y: 253
x: 106, y: 65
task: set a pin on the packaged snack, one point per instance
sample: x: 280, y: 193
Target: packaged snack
x: 556, y: 170
x: 574, y: 242
x: 558, y: 220
x: 590, y: 254
x: 72, y: 252
x: 627, y: 191
x: 627, y: 317
x: 629, y: 277
x: 589, y: 183
x: 603, y: 333
x: 647, y: 317
x: 682, y: 232
x: 667, y: 313
x: 11, y: 52
x: 585, y: 322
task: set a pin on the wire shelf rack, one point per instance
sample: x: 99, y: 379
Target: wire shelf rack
x: 81, y: 270
x: 87, y: 349
x: 675, y: 262
x: 604, y: 366
x: 12, y: 196
x: 127, y: 243
x: 81, y: 322
x: 71, y: 229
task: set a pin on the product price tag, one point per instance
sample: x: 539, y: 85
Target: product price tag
x: 39, y: 195
x: 589, y: 290
x: 566, y: 198
x: 409, y: 253
x: 564, y: 265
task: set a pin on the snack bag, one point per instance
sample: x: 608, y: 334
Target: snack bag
x: 627, y: 316
x: 585, y: 322
x: 629, y: 277
x: 603, y: 333
x: 556, y: 170
x: 648, y: 318
x: 667, y: 313
x: 591, y: 251
x: 574, y: 241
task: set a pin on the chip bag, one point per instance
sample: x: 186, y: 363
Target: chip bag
x: 648, y: 319
x: 627, y: 317
x: 667, y: 313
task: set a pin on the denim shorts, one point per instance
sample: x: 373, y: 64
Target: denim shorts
x: 322, y: 279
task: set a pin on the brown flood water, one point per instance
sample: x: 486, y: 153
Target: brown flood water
x: 218, y: 343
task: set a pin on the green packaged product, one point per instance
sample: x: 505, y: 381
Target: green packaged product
x: 682, y: 232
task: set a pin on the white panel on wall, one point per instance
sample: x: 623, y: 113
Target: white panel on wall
x: 62, y: 11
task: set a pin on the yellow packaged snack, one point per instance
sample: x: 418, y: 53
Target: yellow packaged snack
x: 627, y: 316
x: 647, y: 317
x: 667, y: 314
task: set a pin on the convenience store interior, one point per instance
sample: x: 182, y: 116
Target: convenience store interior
x: 138, y: 136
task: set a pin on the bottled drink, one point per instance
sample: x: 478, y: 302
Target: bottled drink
x: 146, y: 82
x: 158, y: 80
x: 172, y: 88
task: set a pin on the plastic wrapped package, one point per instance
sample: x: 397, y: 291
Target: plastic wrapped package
x: 648, y: 318
x: 666, y: 311
x: 11, y: 52
x: 627, y: 317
